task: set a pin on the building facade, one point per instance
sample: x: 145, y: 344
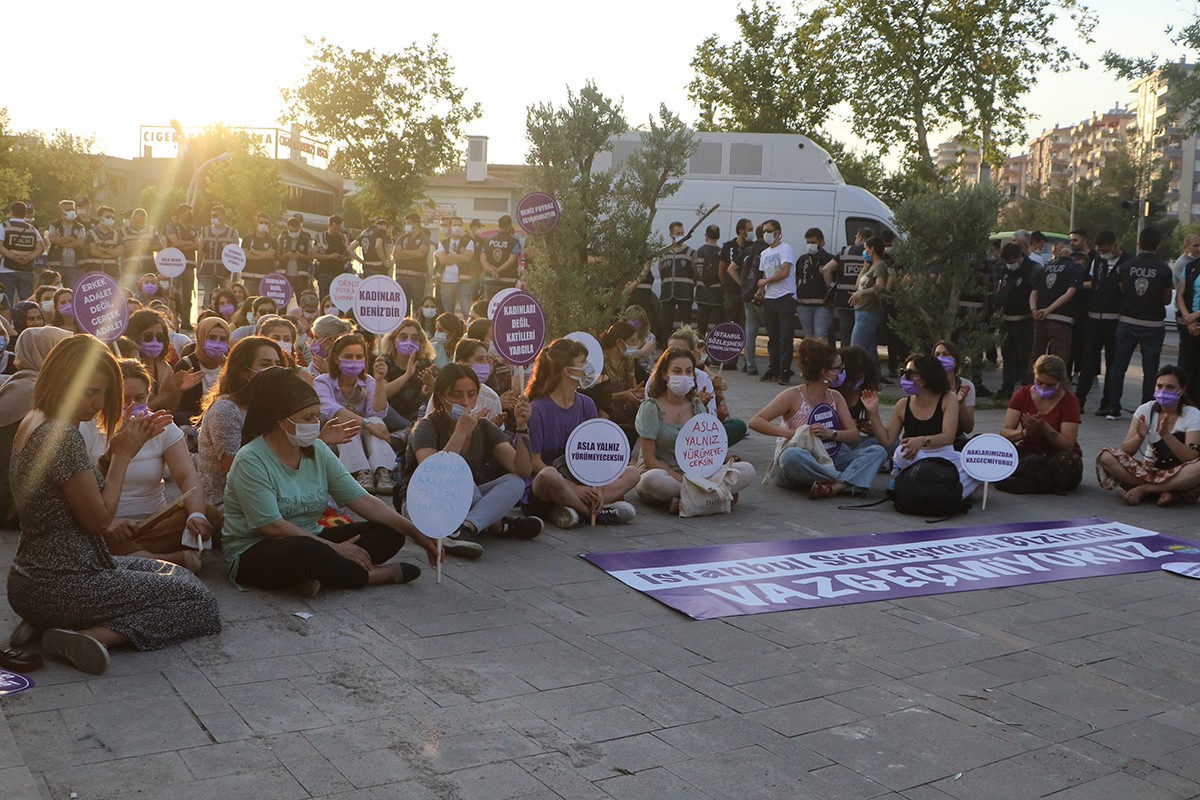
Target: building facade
x: 1157, y: 132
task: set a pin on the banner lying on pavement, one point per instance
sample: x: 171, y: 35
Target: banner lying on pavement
x: 760, y: 577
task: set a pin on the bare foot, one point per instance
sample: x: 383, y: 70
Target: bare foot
x: 191, y: 561
x: 1134, y: 496
x: 1165, y: 499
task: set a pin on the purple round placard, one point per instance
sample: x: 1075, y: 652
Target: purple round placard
x: 724, y: 342
x: 100, y: 307
x: 276, y: 287
x: 519, y: 329
x: 538, y: 213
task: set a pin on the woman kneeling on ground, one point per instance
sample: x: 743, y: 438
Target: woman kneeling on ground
x: 1042, y: 420
x: 924, y: 422
x: 1161, y: 451
x: 64, y: 578
x: 458, y: 425
x: 854, y: 465
x: 278, y: 487
x: 671, y: 400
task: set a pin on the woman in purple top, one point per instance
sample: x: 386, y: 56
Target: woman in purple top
x: 348, y: 393
x: 556, y: 408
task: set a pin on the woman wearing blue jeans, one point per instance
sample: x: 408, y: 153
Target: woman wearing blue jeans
x: 867, y: 299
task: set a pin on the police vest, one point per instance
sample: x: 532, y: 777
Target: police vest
x: 211, y: 244
x: 60, y: 256
x: 677, y: 271
x: 366, y: 242
x: 140, y: 247
x: 19, y: 237
x: 850, y: 267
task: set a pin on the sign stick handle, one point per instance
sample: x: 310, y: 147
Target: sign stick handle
x: 985, y: 488
x: 439, y: 562
x: 519, y: 376
x: 593, y: 519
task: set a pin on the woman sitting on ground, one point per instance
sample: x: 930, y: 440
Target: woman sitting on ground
x: 283, y: 331
x: 324, y: 332
x: 144, y: 493
x: 64, y: 578
x: 431, y: 308
x: 862, y: 375
x: 1043, y: 421
x: 27, y: 314
x: 212, y: 345
x: 710, y: 390
x: 248, y: 315
x: 349, y: 393
x: 556, y: 408
x: 672, y: 400
x: 447, y: 331
x: 815, y: 405
x: 924, y: 423
x: 278, y: 488
x: 224, y: 304
x: 473, y: 354
x: 148, y: 331
x: 964, y: 389
x: 410, y: 374
x: 499, y: 468
x: 618, y: 395
x: 64, y: 311
x: 643, y: 341
x: 1161, y: 451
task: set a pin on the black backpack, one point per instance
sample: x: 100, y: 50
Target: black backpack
x: 929, y: 488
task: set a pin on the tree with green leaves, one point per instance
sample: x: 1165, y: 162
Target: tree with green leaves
x: 46, y: 168
x: 942, y: 252
x: 245, y: 184
x: 579, y: 269
x: 1183, y: 79
x: 394, y: 118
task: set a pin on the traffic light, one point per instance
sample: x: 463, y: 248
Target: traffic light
x: 1131, y: 206
x: 1151, y: 209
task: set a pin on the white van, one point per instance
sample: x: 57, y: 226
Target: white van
x: 760, y: 176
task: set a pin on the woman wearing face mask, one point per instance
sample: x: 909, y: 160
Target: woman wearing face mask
x: 277, y: 490
x: 448, y: 330
x: 710, y: 390
x: 1043, y: 421
x: 556, y: 408
x: 225, y: 304
x: 148, y: 288
x: 430, y: 310
x: 646, y: 346
x: 64, y: 579
x: 618, y: 396
x: 500, y: 467
x: 862, y: 375
x: 143, y: 494
x: 44, y: 297
x: 308, y: 310
x: 474, y: 356
x: 212, y: 345
x: 1161, y: 452
x: 670, y: 402
x: 283, y: 331
x: 259, y: 308
x: 327, y: 307
x: 148, y: 331
x: 64, y: 311
x: 924, y: 423
x: 867, y: 299
x: 409, y: 358
x: 349, y: 393
x: 963, y: 388
x: 27, y: 314
x: 817, y: 406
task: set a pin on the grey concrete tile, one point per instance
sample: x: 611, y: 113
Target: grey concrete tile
x: 1089, y: 698
x: 132, y: 727
x: 497, y: 782
x: 274, y: 707
x: 375, y: 767
x: 306, y: 764
x: 477, y: 749
x: 123, y: 778
x: 1116, y: 786
x: 804, y: 717
x: 18, y: 783
x: 594, y: 761
x: 652, y: 649
x: 653, y: 784
x: 717, y: 736
x: 1035, y: 774
x: 748, y: 772
x: 234, y: 758
x: 43, y: 741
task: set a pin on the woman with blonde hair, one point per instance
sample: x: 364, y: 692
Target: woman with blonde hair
x: 1042, y: 420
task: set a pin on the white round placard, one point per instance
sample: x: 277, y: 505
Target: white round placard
x: 439, y: 494
x: 989, y: 457
x: 597, y: 452
x: 701, y: 446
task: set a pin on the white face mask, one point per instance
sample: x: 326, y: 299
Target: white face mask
x: 262, y: 227
x: 250, y: 317
x: 440, y: 337
x: 47, y: 306
x: 216, y: 223
x: 429, y: 313
x: 812, y: 249
x: 408, y: 228
x: 293, y: 234
x: 306, y: 433
x: 285, y: 346
x: 456, y: 230
x: 680, y: 385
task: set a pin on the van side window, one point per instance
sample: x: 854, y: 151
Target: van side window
x: 854, y: 223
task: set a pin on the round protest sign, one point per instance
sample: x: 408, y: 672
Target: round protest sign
x: 380, y: 305
x: 989, y: 457
x: 233, y: 257
x: 439, y: 494
x: 595, y: 358
x: 1188, y: 569
x: 100, y: 307
x: 825, y: 414
x: 276, y: 287
x: 518, y: 329
x: 343, y: 289
x: 170, y: 261
x: 13, y: 682
x: 701, y: 446
x: 724, y: 343
x: 597, y: 452
x: 538, y: 213
x: 496, y: 300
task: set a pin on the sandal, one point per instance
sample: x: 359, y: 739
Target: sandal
x: 821, y: 491
x: 673, y: 507
x: 15, y: 660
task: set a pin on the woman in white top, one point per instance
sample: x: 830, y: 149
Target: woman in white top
x: 348, y: 393
x: 1161, y: 451
x: 964, y: 390
x: 144, y: 492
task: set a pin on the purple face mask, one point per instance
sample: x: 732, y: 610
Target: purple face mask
x: 838, y: 379
x: 857, y: 385
x: 351, y: 366
x: 1166, y: 398
x: 406, y: 347
x: 482, y: 371
x: 909, y: 385
x: 947, y: 362
x: 67, y: 310
x: 152, y: 349
x: 150, y: 288
x: 315, y: 348
x: 215, y: 348
x: 226, y: 309
x: 637, y: 324
x: 1043, y: 392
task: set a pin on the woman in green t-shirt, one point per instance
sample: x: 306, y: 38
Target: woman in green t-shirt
x: 279, y: 486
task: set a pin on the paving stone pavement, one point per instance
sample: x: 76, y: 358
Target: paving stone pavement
x: 531, y: 674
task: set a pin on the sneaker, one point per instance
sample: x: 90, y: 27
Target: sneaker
x: 520, y: 528
x: 308, y: 589
x: 1102, y: 411
x: 563, y: 517
x: 785, y: 379
x: 406, y: 572
x: 1114, y: 414
x: 463, y: 544
x: 87, y: 654
x: 769, y: 375
x: 619, y: 513
x: 751, y: 370
x: 366, y: 480
x: 23, y: 634
x: 383, y: 482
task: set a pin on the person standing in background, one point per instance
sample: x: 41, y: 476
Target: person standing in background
x: 677, y: 276
x: 294, y: 252
x: 499, y: 259
x: 777, y: 289
x: 182, y: 235
x: 260, y: 253
x: 68, y: 243
x: 411, y: 257
x: 213, y: 239
x: 710, y: 295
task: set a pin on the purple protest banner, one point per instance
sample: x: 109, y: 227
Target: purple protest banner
x: 276, y: 287
x: 760, y: 577
x: 724, y: 342
x: 13, y: 683
x: 538, y: 213
x: 518, y: 329
x: 100, y: 307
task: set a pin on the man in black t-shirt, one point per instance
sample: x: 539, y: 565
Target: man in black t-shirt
x: 499, y: 258
x: 1016, y: 319
x: 1146, y: 282
x: 333, y: 253
x: 710, y: 294
x: 731, y: 280
x: 184, y: 236
x: 813, y: 287
x: 261, y: 251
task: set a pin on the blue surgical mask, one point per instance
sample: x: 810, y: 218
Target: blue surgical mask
x: 456, y: 411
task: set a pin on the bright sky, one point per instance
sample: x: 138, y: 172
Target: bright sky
x: 106, y: 74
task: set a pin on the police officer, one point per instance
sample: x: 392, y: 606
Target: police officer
x: 68, y: 243
x: 1100, y: 320
x: 21, y: 248
x: 499, y: 259
x: 261, y: 253
x: 332, y: 254
x: 141, y: 243
x: 184, y: 236
x: 373, y: 249
x: 411, y: 257
x: 846, y: 269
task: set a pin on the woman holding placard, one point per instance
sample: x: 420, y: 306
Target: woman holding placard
x: 556, y: 408
x: 453, y: 427
x: 671, y: 400
x: 619, y: 395
x: 924, y: 423
x: 278, y: 487
x: 148, y: 331
x: 817, y: 408
x: 1042, y: 420
x: 710, y: 390
x: 349, y: 393
x: 1161, y: 451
